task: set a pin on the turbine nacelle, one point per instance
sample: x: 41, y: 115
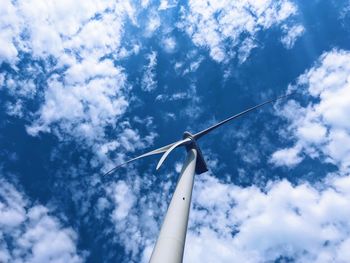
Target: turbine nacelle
x: 186, y: 135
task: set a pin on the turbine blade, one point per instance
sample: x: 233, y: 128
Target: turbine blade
x: 156, y: 151
x: 206, y: 131
x: 175, y: 145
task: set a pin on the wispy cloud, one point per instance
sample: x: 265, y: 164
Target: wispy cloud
x: 225, y: 26
x: 291, y: 35
x: 149, y: 82
x: 169, y: 44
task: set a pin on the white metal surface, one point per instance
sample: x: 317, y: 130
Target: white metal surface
x: 169, y: 247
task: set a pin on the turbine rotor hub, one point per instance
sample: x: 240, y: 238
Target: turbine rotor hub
x: 187, y: 135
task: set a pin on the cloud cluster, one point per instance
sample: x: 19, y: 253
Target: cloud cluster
x: 84, y: 87
x: 320, y: 128
x: 58, y: 28
x: 300, y: 223
x: 226, y: 27
x: 73, y: 76
x: 88, y: 99
x: 28, y: 233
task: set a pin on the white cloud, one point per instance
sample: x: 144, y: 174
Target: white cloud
x: 291, y: 35
x: 300, y: 222
x: 193, y: 66
x: 244, y: 50
x: 30, y: 234
x: 21, y: 88
x: 15, y: 109
x: 164, y: 5
x: 62, y: 29
x: 145, y: 3
x: 149, y: 82
x: 10, y: 28
x: 190, y: 64
x: 321, y: 128
x: 49, y: 28
x: 128, y: 140
x: 176, y: 96
x: 89, y: 98
x: 8, y: 52
x: 345, y: 11
x: 288, y: 157
x: 153, y: 23
x: 2, y: 80
x: 222, y: 26
x: 169, y: 44
x: 134, y: 213
x: 123, y: 200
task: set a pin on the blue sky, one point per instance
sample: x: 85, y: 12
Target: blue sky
x: 86, y: 85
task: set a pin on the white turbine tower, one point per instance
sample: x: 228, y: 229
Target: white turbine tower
x: 170, y: 244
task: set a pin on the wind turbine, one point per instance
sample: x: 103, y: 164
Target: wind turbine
x: 169, y: 247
